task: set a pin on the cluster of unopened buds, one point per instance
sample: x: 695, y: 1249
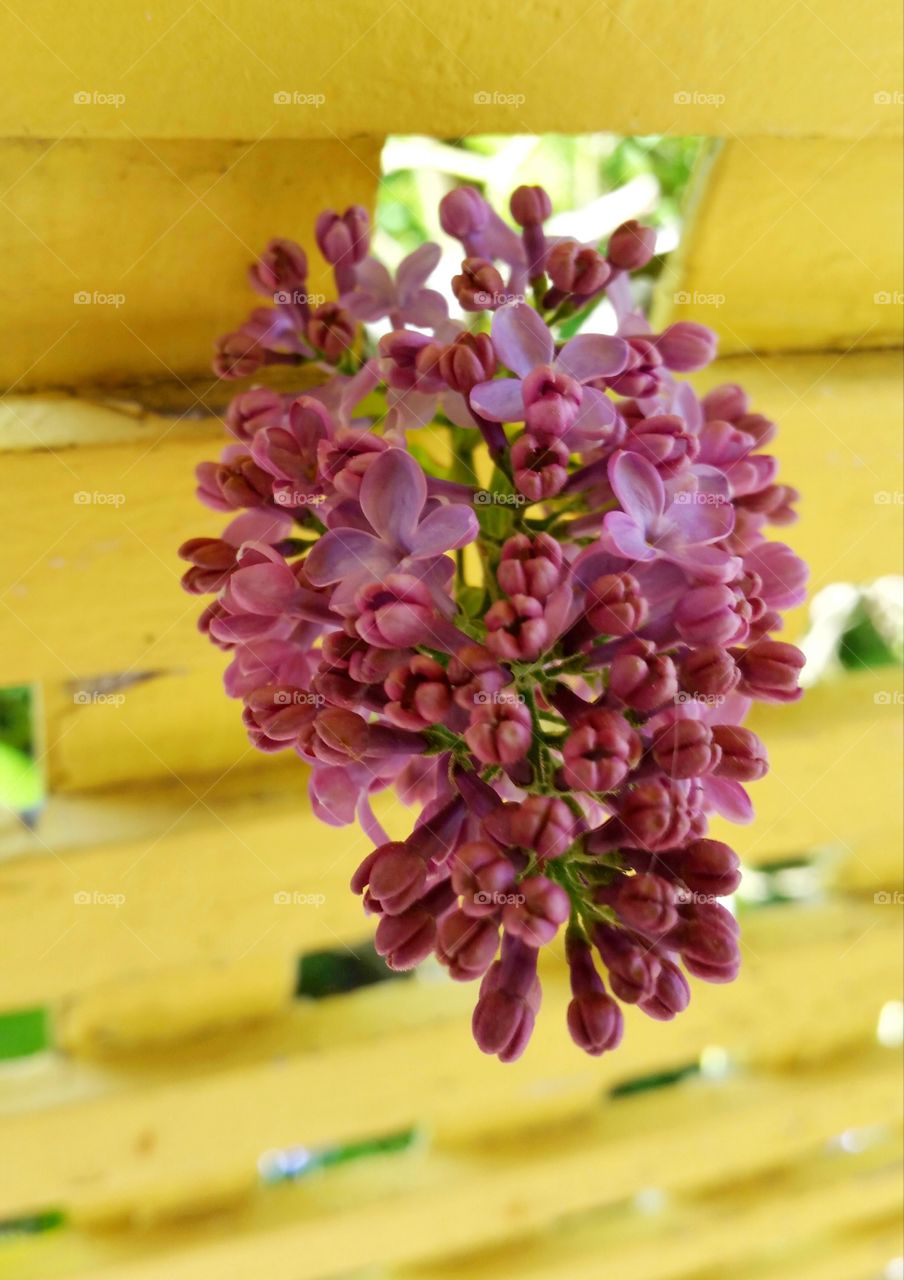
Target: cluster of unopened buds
x: 519, y: 573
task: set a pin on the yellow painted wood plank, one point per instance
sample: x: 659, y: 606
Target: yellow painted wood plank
x: 127, y: 257
x: 863, y: 1254
x: 176, y: 723
x: 784, y: 253
x: 834, y: 789
x: 400, y: 1209
x: 840, y: 443
x: 673, y: 1245
x: 137, y: 1013
x: 215, y: 70
x: 813, y: 983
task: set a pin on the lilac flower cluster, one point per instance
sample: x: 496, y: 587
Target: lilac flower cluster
x: 519, y: 573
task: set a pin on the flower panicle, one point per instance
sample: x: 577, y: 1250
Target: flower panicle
x: 549, y: 646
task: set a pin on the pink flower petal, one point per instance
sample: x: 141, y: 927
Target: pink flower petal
x: 593, y: 355
x: 499, y: 401
x: 637, y: 486
x: 445, y: 529
x: 263, y: 588
x: 728, y: 798
x: 346, y: 553
x: 627, y: 537
x: 413, y: 272
x: 521, y: 339
x: 393, y: 493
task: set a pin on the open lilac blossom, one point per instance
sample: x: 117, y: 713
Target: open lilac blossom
x: 549, y: 651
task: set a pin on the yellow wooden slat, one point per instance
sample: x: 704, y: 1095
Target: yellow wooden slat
x: 766, y: 1218
x: 813, y: 982
x: 411, y: 1207
x: 835, y: 782
x: 783, y: 253
x: 217, y: 71
x: 156, y: 236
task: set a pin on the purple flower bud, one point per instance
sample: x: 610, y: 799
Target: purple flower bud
x: 466, y: 361
x: 475, y: 675
x: 238, y: 355
x: 343, y: 240
x: 600, y: 751
x: 396, y: 878
x: 725, y: 403
x: 509, y: 1000
x: 642, y: 374
x: 479, y: 287
x: 396, y: 613
x: 710, y: 672
x: 540, y: 468
x: 654, y: 816
x: 631, y: 246
x: 685, y: 749
x: 770, y: 670
x: 331, y: 330
x: 536, y: 918
x: 276, y: 717
x: 714, y: 614
x: 530, y: 206
x: 405, y: 940
x: 530, y: 566
x: 708, y: 943
x: 481, y: 875
x: 615, y: 605
x: 500, y: 732
x: 633, y: 968
x: 576, y: 268
x: 282, y: 265
x: 644, y: 679
x: 411, y: 361
x: 465, y: 945
x: 552, y: 401
x: 516, y: 629
x: 234, y: 483
x: 419, y: 693
x: 663, y: 440
x: 463, y: 213
x: 254, y: 409
x: 212, y: 561
x: 686, y: 346
x: 671, y: 994
x: 709, y: 867
x: 543, y: 824
x: 595, y: 1021
x: 645, y: 902
x: 743, y: 753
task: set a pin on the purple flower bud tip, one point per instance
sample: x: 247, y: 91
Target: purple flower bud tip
x: 552, y: 669
x: 631, y: 246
